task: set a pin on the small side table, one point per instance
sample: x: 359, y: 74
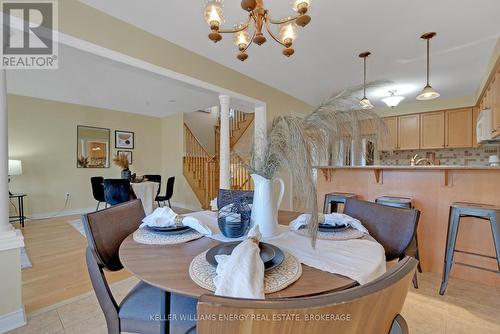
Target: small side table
x: 20, y: 205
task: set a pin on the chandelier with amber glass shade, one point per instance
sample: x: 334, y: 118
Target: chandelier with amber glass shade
x: 258, y: 19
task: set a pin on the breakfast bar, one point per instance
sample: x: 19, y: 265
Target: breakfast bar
x: 433, y: 190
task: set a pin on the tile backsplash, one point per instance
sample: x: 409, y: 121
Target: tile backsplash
x: 450, y: 157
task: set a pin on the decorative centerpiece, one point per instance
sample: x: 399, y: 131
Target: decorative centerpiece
x: 234, y: 219
x: 301, y: 142
x: 121, y: 160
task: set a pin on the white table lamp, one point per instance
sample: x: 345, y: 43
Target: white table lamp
x: 15, y: 168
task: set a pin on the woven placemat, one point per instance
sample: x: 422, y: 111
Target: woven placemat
x: 145, y: 236
x: 350, y: 233
x: 276, y: 279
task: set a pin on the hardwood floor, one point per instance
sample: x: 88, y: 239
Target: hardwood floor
x: 59, y: 271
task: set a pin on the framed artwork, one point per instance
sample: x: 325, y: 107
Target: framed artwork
x: 128, y: 154
x: 124, y: 139
x: 92, y: 147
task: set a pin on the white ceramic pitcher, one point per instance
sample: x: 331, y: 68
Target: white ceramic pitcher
x: 265, y: 207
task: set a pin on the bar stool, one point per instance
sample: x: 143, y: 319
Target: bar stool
x: 332, y: 201
x: 457, y: 211
x: 404, y: 202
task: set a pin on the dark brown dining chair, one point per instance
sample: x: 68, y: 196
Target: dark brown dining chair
x: 145, y: 309
x: 393, y: 227
x: 97, y: 183
x: 373, y: 308
x: 168, y: 193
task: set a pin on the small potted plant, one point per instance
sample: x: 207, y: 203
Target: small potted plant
x: 121, y: 161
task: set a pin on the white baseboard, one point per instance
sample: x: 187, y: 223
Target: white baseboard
x: 12, y: 320
x: 71, y: 212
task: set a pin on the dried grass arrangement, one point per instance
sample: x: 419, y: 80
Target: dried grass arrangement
x: 299, y: 143
x: 121, y: 161
x: 83, y: 161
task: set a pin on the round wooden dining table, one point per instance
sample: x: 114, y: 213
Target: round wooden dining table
x: 167, y: 267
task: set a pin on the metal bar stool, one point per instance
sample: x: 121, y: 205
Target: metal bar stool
x: 404, y: 202
x: 457, y: 211
x: 332, y: 201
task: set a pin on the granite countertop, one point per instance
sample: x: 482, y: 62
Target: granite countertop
x: 389, y: 167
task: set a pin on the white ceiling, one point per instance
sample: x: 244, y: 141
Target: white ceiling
x: 326, y: 51
x: 87, y: 79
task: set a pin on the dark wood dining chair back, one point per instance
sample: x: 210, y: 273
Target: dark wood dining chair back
x: 168, y: 193
x: 105, y: 231
x: 117, y: 191
x: 394, y: 228
x: 154, y: 178
x: 97, y: 183
x: 373, y: 308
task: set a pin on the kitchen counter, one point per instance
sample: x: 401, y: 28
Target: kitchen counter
x: 433, y: 189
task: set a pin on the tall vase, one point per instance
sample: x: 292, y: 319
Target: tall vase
x: 265, y: 206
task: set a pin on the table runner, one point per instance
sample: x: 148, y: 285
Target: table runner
x: 362, y: 260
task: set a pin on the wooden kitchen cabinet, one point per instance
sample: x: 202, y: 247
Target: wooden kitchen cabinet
x: 432, y: 125
x: 409, y: 132
x: 458, y: 130
x: 495, y: 104
x: 392, y: 141
x: 475, y: 114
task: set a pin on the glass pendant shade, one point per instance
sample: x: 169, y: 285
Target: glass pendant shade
x: 365, y: 103
x: 213, y: 12
x: 297, y: 4
x: 393, y: 100
x: 288, y: 33
x: 428, y: 93
x: 241, y: 39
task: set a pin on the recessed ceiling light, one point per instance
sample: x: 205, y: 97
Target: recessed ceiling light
x: 172, y: 101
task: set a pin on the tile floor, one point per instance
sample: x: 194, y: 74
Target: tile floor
x: 466, y: 308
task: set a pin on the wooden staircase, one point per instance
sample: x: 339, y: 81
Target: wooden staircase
x: 238, y: 125
x: 201, y: 169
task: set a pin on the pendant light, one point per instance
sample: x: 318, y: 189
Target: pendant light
x: 428, y: 93
x: 393, y: 100
x: 364, y: 102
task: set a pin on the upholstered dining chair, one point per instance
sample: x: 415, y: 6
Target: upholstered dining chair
x: 145, y: 308
x: 373, y: 308
x: 393, y: 227
x: 97, y: 183
x: 168, y: 193
x: 117, y: 191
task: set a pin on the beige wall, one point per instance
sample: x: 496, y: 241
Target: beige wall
x: 173, y: 151
x: 42, y: 134
x: 202, y: 125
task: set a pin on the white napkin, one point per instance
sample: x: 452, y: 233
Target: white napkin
x: 164, y: 217
x: 333, y: 219
x: 241, y: 274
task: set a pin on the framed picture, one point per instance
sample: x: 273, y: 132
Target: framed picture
x: 128, y: 154
x: 124, y: 139
x: 92, y: 147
